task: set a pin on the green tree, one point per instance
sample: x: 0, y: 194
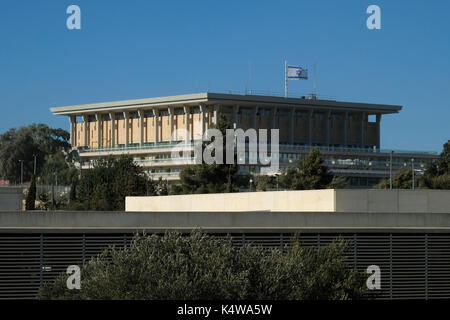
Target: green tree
x: 402, y: 179
x: 309, y: 173
x: 163, y: 187
x: 105, y: 186
x: 56, y: 167
x: 73, y: 189
x: 200, y: 266
x: 31, y: 195
x: 265, y: 183
x: 437, y: 175
x: 24, y: 143
x: 210, y: 178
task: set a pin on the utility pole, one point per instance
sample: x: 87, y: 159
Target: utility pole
x: 21, y: 172
x: 412, y: 168
x: 34, y: 169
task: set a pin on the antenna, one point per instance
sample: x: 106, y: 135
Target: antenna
x: 314, y: 79
x: 249, y: 76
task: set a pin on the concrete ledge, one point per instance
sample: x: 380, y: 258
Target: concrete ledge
x: 85, y: 221
x: 327, y: 200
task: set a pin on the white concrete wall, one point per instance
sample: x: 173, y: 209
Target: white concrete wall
x: 310, y: 200
x: 328, y: 200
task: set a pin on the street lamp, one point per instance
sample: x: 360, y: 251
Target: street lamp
x: 412, y: 168
x: 251, y: 184
x: 21, y: 172
x: 34, y: 169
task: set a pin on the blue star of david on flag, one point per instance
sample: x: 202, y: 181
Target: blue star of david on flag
x: 297, y: 73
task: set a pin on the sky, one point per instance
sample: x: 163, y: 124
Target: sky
x: 139, y: 49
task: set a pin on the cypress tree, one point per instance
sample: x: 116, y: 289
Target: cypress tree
x: 31, y: 196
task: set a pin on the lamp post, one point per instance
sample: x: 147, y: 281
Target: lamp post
x: 251, y: 184
x: 21, y: 172
x: 34, y: 168
x: 412, y: 169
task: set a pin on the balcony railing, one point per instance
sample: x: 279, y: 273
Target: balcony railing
x: 281, y: 147
x: 134, y: 147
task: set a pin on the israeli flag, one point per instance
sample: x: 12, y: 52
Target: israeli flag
x: 297, y: 73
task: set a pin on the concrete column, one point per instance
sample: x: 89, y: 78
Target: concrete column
x: 186, y: 123
x: 292, y: 126
x: 141, y: 127
x: 378, y: 131
x: 170, y: 109
x: 274, y: 114
x: 73, y: 131
x: 202, y: 118
x: 235, y: 116
x: 362, y: 140
x: 255, y: 118
x: 274, y: 123
x: 85, y: 133
x: 155, y: 124
x: 345, y: 129
x: 327, y: 124
x: 112, y: 126
x: 98, y: 118
x: 215, y: 114
x: 126, y: 116
x: 310, y: 117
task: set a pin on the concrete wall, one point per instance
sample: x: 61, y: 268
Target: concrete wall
x: 328, y: 200
x: 257, y: 222
x: 372, y: 200
x: 311, y: 200
x: 11, y: 198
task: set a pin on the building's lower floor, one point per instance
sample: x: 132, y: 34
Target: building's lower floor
x: 413, y: 265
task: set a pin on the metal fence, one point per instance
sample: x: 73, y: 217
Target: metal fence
x: 413, y: 265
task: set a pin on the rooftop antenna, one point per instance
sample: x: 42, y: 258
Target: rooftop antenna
x: 248, y: 87
x: 314, y: 82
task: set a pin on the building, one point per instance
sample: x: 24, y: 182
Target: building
x: 347, y: 133
x: 406, y: 233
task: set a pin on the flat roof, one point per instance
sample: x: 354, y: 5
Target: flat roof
x: 209, y: 98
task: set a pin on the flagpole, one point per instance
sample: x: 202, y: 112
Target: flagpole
x: 285, y: 79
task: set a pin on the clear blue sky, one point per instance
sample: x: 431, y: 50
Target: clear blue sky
x: 139, y: 49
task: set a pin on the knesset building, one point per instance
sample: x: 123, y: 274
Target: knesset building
x: 347, y: 133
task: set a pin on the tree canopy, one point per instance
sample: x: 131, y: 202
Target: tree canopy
x: 210, y: 178
x: 204, y: 267
x: 309, y: 173
x: 436, y: 175
x: 24, y: 143
x: 105, y: 186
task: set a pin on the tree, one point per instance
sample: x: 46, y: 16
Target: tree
x: 24, y: 143
x: 56, y: 165
x: 210, y: 178
x: 204, y: 267
x: 73, y: 189
x: 437, y: 175
x: 163, y: 187
x: 309, y: 173
x: 31, y: 195
x: 402, y: 179
x: 105, y: 186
